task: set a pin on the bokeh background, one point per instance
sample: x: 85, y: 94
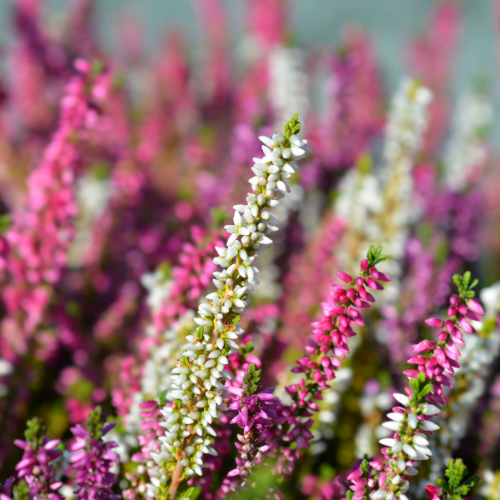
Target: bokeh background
x: 392, y: 24
x: 164, y: 156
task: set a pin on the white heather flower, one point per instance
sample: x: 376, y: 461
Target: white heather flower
x: 197, y: 380
x: 377, y: 206
x: 477, y: 357
x: 156, y: 373
x: 158, y: 287
x: 92, y: 196
x: 288, y: 89
x: 405, y: 129
x: 467, y: 149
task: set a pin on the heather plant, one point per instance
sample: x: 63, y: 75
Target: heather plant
x: 178, y: 346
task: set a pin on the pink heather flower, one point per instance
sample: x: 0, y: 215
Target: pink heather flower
x: 411, y: 421
x: 327, y: 344
x: 40, y: 235
x: 92, y: 458
x: 433, y: 492
x: 256, y: 412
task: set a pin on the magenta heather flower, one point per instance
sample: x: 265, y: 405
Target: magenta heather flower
x: 256, y: 411
x: 150, y: 447
x: 410, y: 422
x: 40, y: 236
x: 93, y: 458
x: 36, y: 466
x: 291, y: 427
x: 327, y: 344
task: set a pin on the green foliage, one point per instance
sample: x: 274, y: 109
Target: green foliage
x: 375, y: 255
x: 199, y: 333
x: 35, y: 432
x: 464, y: 285
x: 101, y: 170
x: 21, y: 491
x: 186, y: 492
x: 94, y: 423
x: 162, y: 397
x: 364, y: 465
x: 364, y: 164
x: 456, y: 487
x: 165, y: 270
x: 219, y: 216
x: 421, y: 387
x: 292, y: 127
x: 246, y: 349
x: 252, y: 381
x: 235, y: 320
x: 5, y: 222
x: 73, y: 308
x: 97, y: 67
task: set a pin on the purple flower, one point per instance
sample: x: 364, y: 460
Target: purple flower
x: 93, y: 459
x: 36, y: 465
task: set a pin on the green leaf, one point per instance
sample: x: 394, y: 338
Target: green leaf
x: 192, y: 493
x: 94, y: 423
x: 21, y: 491
x: 292, y: 127
x: 219, y: 216
x: 162, y: 397
x: 5, y: 223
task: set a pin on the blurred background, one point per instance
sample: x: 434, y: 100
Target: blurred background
x: 320, y: 23
x: 114, y: 190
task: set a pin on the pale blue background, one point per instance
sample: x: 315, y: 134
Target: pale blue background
x: 391, y: 22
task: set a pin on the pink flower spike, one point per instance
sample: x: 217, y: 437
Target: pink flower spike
x: 345, y: 277
x: 475, y: 305
x: 435, y: 322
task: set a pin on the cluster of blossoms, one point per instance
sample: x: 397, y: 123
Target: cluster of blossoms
x: 40, y: 237
x: 326, y: 347
x: 198, y: 392
x: 113, y: 188
x: 36, y: 468
x: 256, y: 411
x: 386, y: 200
x: 477, y: 356
x: 411, y: 422
x: 93, y: 458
